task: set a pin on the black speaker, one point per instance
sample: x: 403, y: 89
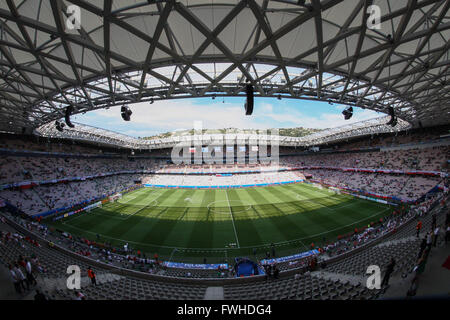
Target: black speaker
x: 249, y: 102
x: 126, y: 113
x: 393, y: 121
x: 391, y: 112
x: 69, y: 111
x: 59, y: 126
x: 348, y: 113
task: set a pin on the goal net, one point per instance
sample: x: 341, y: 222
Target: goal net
x: 335, y: 190
x: 115, y: 197
x: 93, y: 206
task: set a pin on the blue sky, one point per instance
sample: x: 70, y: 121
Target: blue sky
x: 170, y: 115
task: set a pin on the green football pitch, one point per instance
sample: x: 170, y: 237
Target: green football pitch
x: 218, y: 224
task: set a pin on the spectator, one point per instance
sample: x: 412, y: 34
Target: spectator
x: 429, y: 240
x: 423, y: 245
x: 21, y: 277
x: 420, y: 267
x: 15, y: 279
x: 29, y: 271
x: 418, y: 228
x: 389, y: 270
x: 91, y: 276
x: 21, y: 261
x: 79, y: 296
x: 276, y: 272
x: 435, y: 236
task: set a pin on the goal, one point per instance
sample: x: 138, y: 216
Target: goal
x: 115, y: 197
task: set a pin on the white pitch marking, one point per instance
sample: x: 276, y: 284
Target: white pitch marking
x: 232, y: 219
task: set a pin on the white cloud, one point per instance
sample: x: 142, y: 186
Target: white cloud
x: 171, y: 115
x: 177, y: 114
x: 333, y: 120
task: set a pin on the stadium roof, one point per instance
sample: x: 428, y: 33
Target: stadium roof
x: 99, y: 136
x: 130, y: 51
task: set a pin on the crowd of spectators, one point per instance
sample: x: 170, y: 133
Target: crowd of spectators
x: 424, y: 159
x: 217, y: 168
x: 405, y: 187
x: 44, y: 198
x: 389, y: 140
x: 17, y: 169
x: 43, y: 145
x: 218, y: 180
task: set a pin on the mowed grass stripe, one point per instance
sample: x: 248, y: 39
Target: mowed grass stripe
x: 210, y: 231
x: 351, y: 209
x: 299, y: 223
x: 169, y: 220
x: 90, y: 220
x: 152, y: 227
x: 331, y: 203
x: 224, y: 231
x: 343, y: 219
x: 199, y: 224
x: 140, y: 221
x: 270, y: 228
x: 98, y: 223
x: 129, y: 207
x: 247, y: 232
x: 284, y: 199
x: 338, y: 211
x: 132, y: 196
x: 319, y: 220
x: 289, y: 214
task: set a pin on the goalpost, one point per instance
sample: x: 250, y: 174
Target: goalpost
x: 93, y: 206
x: 115, y: 197
x: 335, y: 190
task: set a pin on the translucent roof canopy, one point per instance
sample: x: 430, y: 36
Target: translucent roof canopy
x: 128, y: 51
x: 98, y: 136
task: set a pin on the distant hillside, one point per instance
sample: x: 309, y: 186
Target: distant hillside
x: 298, y: 132
x: 289, y: 132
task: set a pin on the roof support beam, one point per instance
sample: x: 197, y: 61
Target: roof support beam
x: 151, y: 50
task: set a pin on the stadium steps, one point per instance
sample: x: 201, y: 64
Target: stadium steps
x: 404, y: 253
x: 300, y: 287
x: 352, y: 279
x: 403, y: 245
x: 214, y: 293
x: 432, y: 281
x: 61, y: 282
x: 396, y: 241
x: 53, y: 286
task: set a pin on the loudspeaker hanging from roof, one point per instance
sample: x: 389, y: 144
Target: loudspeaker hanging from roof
x: 69, y: 111
x: 249, y: 101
